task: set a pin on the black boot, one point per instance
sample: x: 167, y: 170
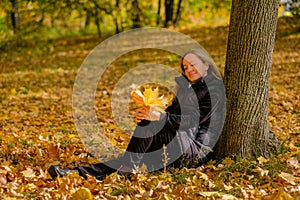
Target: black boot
x: 55, y: 171
x: 126, y: 171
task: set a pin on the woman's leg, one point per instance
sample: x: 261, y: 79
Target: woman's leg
x: 99, y: 170
x: 139, y: 143
x: 153, y: 155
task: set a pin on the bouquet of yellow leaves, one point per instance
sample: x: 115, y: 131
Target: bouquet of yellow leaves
x: 152, y: 98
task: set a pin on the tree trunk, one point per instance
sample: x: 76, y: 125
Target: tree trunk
x: 158, y: 13
x: 15, y: 16
x: 88, y: 18
x: 247, y: 76
x: 178, y: 13
x: 97, y: 22
x: 116, y: 16
x: 169, y: 12
x: 136, y: 20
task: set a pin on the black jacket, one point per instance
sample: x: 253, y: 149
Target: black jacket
x: 197, y: 114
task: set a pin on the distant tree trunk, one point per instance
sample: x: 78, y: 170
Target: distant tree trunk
x: 116, y: 17
x: 247, y: 76
x: 117, y: 26
x: 15, y: 16
x: 178, y: 13
x: 158, y: 13
x: 97, y: 21
x: 136, y: 19
x: 169, y: 4
x: 88, y: 18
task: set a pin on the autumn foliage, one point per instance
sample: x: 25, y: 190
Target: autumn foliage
x: 37, y: 128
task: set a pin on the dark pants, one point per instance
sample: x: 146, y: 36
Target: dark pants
x: 145, y: 147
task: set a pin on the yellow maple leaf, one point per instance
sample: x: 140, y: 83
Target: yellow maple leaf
x: 151, y: 99
x: 82, y: 194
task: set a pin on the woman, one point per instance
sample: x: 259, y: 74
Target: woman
x: 189, y: 128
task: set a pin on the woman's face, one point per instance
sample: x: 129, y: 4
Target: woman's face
x: 193, y: 67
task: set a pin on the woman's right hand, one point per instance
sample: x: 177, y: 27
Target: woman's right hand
x: 145, y: 113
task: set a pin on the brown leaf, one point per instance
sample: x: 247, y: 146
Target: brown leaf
x: 53, y: 151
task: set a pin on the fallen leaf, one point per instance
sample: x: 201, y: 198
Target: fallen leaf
x: 280, y: 195
x: 293, y: 162
x: 262, y: 160
x: 13, y: 91
x: 3, y: 180
x: 227, y: 161
x: 210, y: 194
x: 53, y: 151
x: 82, y: 194
x: 289, y: 178
x: 28, y: 173
x: 261, y: 172
x: 227, y: 187
x: 228, y: 197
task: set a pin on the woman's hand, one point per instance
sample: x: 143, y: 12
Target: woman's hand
x: 145, y: 113
x: 137, y: 98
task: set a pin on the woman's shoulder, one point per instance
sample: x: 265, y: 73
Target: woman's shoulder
x: 181, y: 80
x: 210, y: 78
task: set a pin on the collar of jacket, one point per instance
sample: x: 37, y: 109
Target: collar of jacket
x: 182, y: 81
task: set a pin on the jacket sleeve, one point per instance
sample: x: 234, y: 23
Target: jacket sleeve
x: 182, y: 115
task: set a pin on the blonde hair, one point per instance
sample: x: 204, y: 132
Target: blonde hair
x: 205, y: 58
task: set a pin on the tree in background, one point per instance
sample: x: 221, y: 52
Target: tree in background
x: 135, y: 14
x: 247, y: 77
x: 14, y: 16
x: 169, y: 4
x: 178, y: 13
x: 82, y: 16
x: 116, y: 17
x: 158, y: 19
x: 169, y: 13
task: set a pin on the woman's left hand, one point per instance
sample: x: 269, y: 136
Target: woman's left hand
x: 145, y: 113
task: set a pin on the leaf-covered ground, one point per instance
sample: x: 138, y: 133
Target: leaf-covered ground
x: 37, y: 126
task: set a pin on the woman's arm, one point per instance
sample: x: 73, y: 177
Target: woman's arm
x: 182, y: 114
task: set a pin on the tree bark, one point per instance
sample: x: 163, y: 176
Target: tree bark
x: 247, y: 76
